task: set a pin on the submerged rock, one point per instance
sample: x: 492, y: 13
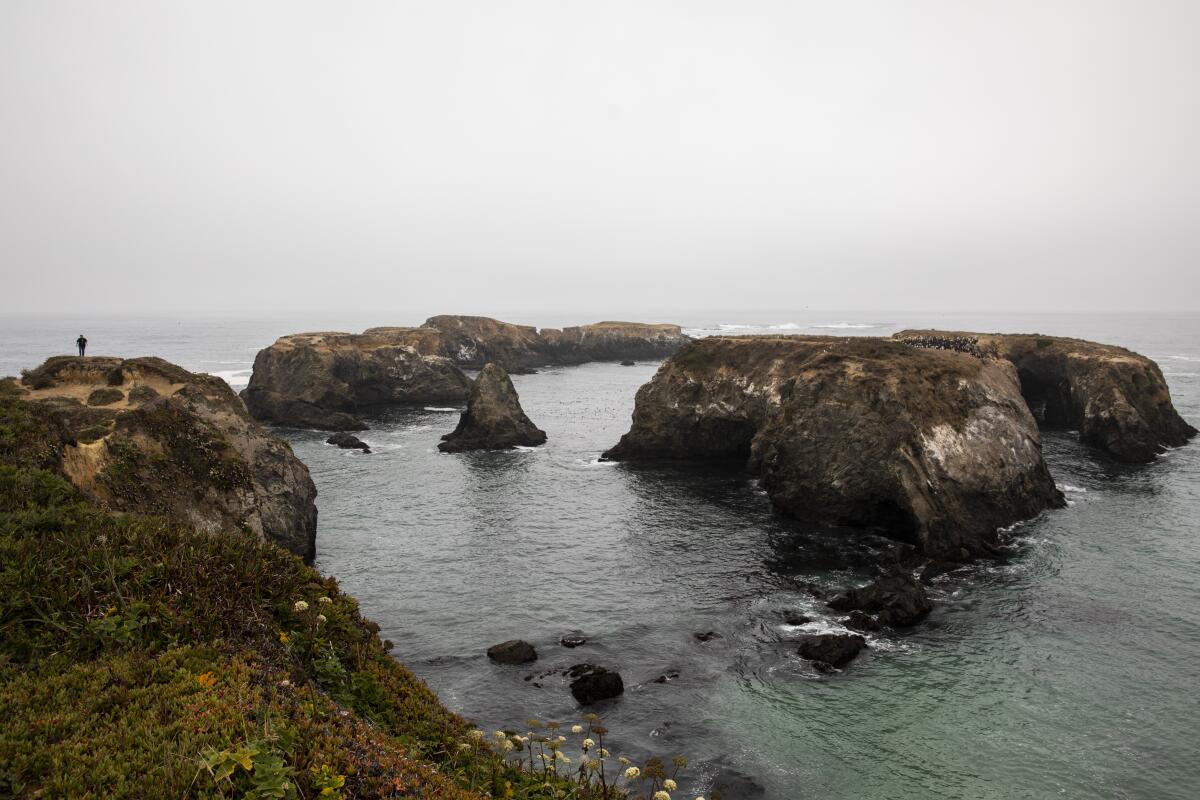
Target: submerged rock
x: 325, y: 380
x: 572, y: 639
x: 629, y: 362
x: 835, y: 649
x: 493, y: 419
x: 706, y: 636
x: 796, y: 618
x: 348, y: 441
x: 935, y: 448
x: 899, y: 600
x: 514, y: 651
x: 1117, y: 399
x: 177, y: 444
x: 591, y: 684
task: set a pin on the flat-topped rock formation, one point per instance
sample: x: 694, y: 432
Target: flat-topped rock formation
x: 494, y: 419
x: 326, y: 380
x: 933, y: 447
x: 475, y: 341
x: 170, y: 442
x: 1117, y: 399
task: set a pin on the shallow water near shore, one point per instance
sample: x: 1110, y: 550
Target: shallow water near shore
x: 1069, y: 669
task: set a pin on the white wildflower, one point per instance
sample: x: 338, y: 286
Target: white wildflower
x: 321, y: 619
x: 300, y: 606
x: 576, y: 729
x: 324, y: 601
x: 670, y: 785
x: 632, y: 773
x: 588, y: 744
x: 661, y: 796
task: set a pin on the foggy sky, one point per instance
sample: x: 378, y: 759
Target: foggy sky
x: 473, y: 157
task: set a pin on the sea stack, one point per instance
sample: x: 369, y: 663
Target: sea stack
x: 1117, y: 399
x: 493, y: 419
x: 935, y: 448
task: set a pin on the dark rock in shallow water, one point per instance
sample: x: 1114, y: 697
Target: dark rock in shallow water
x: 796, y: 618
x: 706, y: 636
x: 628, y: 363
x: 493, y: 419
x: 899, y: 600
x: 514, y: 651
x: 348, y: 441
x: 733, y: 785
x: 572, y: 639
x: 836, y: 649
x: 858, y: 621
x: 592, y: 684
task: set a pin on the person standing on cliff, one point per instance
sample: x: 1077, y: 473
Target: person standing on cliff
x: 82, y: 342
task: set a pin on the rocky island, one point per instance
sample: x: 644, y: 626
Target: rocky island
x: 934, y: 447
x: 1117, y: 399
x: 144, y: 435
x: 325, y: 380
x: 329, y: 380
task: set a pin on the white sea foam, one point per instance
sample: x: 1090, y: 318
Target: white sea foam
x: 236, y: 378
x: 1066, y: 487
x: 444, y: 410
x: 845, y: 325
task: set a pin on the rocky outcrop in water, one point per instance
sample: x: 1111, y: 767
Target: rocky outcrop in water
x: 176, y: 444
x: 897, y: 600
x: 330, y: 380
x: 493, y: 419
x: 591, y: 684
x: 475, y: 341
x: 934, y: 448
x: 348, y: 441
x: 1117, y: 399
x: 327, y: 380
x: 831, y: 649
x: 514, y: 651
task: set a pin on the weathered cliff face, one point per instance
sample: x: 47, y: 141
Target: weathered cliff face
x: 935, y: 448
x: 494, y: 419
x: 1118, y: 400
x: 475, y: 341
x: 613, y: 341
x: 325, y: 380
x: 174, y: 443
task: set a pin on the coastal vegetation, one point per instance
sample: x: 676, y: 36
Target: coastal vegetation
x: 142, y: 658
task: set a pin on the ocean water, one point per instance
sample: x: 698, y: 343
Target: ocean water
x: 1068, y: 669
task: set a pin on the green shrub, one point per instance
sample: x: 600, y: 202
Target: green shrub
x: 105, y: 397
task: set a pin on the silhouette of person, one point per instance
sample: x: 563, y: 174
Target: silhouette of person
x: 82, y: 342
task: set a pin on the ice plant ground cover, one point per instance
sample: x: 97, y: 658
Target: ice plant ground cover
x: 142, y: 659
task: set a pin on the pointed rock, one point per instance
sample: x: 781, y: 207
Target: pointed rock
x: 493, y: 419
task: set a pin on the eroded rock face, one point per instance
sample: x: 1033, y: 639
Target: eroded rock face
x: 1117, y: 399
x: 325, y: 380
x: 177, y: 444
x: 493, y: 419
x: 474, y: 341
x: 935, y: 448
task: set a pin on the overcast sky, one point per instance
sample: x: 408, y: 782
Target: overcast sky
x: 483, y: 156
